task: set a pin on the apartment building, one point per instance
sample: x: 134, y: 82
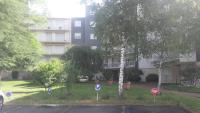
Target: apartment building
x: 54, y: 37
x: 82, y: 30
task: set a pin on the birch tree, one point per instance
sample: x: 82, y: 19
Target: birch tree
x: 169, y: 31
x: 121, y: 23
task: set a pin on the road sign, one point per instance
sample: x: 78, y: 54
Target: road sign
x: 98, y: 87
x: 49, y: 91
x: 9, y: 94
x: 155, y: 91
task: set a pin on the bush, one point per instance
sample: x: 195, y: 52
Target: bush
x: 47, y: 73
x: 152, y: 78
x: 15, y: 75
x: 133, y: 75
x: 108, y: 74
x: 84, y: 59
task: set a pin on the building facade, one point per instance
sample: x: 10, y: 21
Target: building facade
x: 54, y: 37
x: 82, y: 30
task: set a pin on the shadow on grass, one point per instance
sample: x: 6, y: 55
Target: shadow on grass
x: 29, y: 84
x: 85, y: 94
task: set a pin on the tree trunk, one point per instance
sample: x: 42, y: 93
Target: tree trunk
x: 121, y: 74
x: 160, y: 75
x: 0, y: 74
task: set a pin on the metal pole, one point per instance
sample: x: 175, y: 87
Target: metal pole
x: 154, y: 99
x: 97, y: 96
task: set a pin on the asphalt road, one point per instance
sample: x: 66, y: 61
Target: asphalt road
x: 92, y: 109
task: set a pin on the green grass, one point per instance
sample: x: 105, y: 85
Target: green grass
x: 180, y: 88
x: 28, y: 94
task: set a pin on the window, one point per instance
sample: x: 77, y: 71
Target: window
x: 93, y: 37
x: 60, y: 36
x: 198, y: 55
x: 77, y: 23
x: 91, y: 12
x: 92, y: 24
x: 77, y: 35
x: 60, y: 24
x: 47, y: 49
x: 58, y: 49
x: 93, y: 47
x: 49, y: 36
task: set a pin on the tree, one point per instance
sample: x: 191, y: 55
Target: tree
x: 114, y: 26
x: 169, y: 29
x: 86, y: 60
x: 18, y: 46
x: 47, y: 73
x: 70, y: 74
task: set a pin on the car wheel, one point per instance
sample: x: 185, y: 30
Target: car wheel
x: 1, y: 102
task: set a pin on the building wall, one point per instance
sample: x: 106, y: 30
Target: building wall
x: 78, y: 29
x: 86, y: 29
x: 54, y: 36
x: 89, y: 28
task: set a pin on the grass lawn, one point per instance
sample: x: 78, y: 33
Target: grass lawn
x: 27, y: 94
x: 181, y: 88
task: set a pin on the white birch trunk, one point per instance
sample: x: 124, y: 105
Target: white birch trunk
x: 121, y: 74
x: 0, y: 74
x: 160, y: 75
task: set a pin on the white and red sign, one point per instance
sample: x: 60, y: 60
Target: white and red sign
x: 155, y: 91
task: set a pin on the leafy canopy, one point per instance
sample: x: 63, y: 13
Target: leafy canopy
x: 86, y: 60
x: 18, y: 46
x: 47, y: 73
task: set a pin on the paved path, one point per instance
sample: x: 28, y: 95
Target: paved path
x: 93, y: 109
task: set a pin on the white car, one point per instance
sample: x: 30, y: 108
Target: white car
x: 1, y: 99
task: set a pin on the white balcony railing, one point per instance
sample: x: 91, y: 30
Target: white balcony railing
x: 117, y: 65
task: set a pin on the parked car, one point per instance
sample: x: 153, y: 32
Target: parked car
x: 1, y: 99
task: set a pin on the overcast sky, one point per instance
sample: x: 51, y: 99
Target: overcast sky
x: 65, y: 8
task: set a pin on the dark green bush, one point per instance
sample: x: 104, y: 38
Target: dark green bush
x: 152, y: 78
x: 15, y: 75
x: 133, y: 75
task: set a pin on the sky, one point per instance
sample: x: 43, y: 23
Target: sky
x: 65, y: 8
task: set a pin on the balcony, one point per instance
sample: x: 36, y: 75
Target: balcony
x: 50, y: 28
x: 116, y: 65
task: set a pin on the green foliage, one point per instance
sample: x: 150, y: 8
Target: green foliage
x: 152, y: 78
x: 47, y: 73
x: 132, y: 74
x: 15, y: 75
x: 84, y: 59
x: 108, y: 74
x: 18, y: 46
x: 192, y: 74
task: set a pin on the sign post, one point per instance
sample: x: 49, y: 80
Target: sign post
x: 49, y: 91
x: 154, y: 92
x: 98, y: 88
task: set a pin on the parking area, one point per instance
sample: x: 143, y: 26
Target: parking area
x: 93, y: 109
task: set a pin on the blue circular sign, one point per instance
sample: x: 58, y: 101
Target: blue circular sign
x: 98, y: 87
x: 49, y: 91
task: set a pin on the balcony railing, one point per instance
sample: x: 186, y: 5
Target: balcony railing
x: 117, y: 65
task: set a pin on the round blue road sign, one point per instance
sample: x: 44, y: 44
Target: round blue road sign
x: 98, y: 87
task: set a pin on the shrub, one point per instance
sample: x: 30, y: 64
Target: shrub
x: 84, y: 59
x: 133, y: 75
x: 15, y: 75
x: 47, y: 73
x: 152, y: 78
x: 108, y: 74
